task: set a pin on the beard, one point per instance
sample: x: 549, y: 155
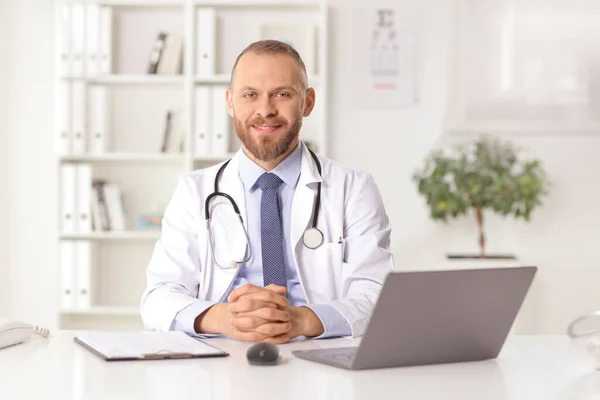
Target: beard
x: 269, y: 146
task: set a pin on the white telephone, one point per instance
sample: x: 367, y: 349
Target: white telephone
x: 14, y: 332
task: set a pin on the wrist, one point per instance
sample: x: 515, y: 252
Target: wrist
x: 310, y: 323
x: 212, y: 320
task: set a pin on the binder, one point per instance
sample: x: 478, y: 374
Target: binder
x: 123, y: 346
x: 97, y: 221
x: 83, y: 275
x: 114, y: 205
x: 202, y: 121
x: 78, y: 107
x: 68, y: 295
x: 206, y: 21
x: 174, y: 132
x: 98, y: 122
x: 68, y: 184
x: 105, y: 38
x: 100, y: 211
x: 221, y: 135
x: 84, y: 195
x: 92, y: 44
x: 63, y: 131
x: 65, y: 40
x: 170, y: 61
x: 157, y: 52
x: 77, y: 38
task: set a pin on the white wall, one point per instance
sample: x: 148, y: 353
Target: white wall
x: 28, y: 188
x: 3, y: 164
x: 563, y: 235
x: 390, y: 144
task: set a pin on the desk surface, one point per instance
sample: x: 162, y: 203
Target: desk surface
x: 529, y: 367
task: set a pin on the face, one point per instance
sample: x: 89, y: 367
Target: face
x: 267, y: 104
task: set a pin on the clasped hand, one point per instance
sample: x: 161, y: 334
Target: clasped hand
x: 257, y: 314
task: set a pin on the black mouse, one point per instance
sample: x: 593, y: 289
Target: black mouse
x: 263, y: 354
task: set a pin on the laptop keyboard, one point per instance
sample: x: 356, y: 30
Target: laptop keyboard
x: 343, y: 355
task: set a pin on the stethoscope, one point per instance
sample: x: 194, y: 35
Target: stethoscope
x: 312, y: 238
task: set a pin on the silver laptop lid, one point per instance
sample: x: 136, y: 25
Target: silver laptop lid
x: 429, y: 317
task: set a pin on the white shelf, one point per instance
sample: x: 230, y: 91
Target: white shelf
x: 260, y: 3
x: 127, y: 235
x: 214, y: 159
x: 216, y: 79
x: 136, y: 79
x: 124, y: 157
x: 139, y: 3
x: 104, y: 310
x: 224, y: 80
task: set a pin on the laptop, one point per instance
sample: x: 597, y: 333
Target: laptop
x: 435, y: 317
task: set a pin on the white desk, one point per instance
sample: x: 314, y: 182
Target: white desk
x: 529, y: 368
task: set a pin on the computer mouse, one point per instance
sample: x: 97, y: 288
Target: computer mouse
x: 263, y: 354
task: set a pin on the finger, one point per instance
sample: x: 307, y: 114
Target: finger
x: 247, y: 304
x: 269, y: 314
x: 247, y: 336
x: 242, y: 290
x: 248, y: 324
x: 274, y: 329
x: 276, y: 288
x: 270, y: 297
x: 277, y: 339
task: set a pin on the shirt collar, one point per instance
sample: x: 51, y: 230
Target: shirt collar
x: 288, y: 170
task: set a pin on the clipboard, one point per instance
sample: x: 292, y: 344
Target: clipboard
x: 132, y: 346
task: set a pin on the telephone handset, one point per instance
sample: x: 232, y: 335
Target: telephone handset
x: 13, y: 332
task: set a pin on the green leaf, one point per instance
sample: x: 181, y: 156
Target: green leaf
x: 486, y: 172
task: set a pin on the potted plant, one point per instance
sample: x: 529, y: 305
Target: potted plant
x: 483, y: 174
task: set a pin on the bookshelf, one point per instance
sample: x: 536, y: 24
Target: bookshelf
x: 111, y: 122
x: 130, y: 235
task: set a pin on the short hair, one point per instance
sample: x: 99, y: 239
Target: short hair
x: 274, y: 47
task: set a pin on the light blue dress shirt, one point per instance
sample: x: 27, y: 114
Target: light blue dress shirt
x: 251, y: 272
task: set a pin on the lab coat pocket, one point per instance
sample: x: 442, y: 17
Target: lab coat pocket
x: 323, y: 269
x: 329, y: 257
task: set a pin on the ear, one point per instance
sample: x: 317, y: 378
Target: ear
x: 309, y: 102
x: 229, y: 96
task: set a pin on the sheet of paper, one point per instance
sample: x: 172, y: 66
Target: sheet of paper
x: 137, y: 344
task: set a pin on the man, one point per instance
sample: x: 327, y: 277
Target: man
x: 286, y: 289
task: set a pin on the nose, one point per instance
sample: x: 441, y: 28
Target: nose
x: 266, y: 108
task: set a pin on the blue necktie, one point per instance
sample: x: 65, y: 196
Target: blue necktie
x: 271, y: 231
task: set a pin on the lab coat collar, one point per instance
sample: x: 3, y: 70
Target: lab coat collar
x: 309, y: 172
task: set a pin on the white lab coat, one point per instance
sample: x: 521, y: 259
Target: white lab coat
x: 347, y: 276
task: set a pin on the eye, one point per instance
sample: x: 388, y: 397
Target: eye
x: 249, y: 95
x: 282, y: 94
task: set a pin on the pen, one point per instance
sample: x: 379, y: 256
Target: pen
x: 340, y: 240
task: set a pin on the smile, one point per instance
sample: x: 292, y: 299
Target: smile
x: 266, y: 128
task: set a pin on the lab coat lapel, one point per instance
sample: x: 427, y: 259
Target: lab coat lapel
x: 304, y: 197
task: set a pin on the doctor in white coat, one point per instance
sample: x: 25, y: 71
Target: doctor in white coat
x: 286, y: 280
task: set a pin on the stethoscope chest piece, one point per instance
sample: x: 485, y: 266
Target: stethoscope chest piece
x: 313, y: 238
